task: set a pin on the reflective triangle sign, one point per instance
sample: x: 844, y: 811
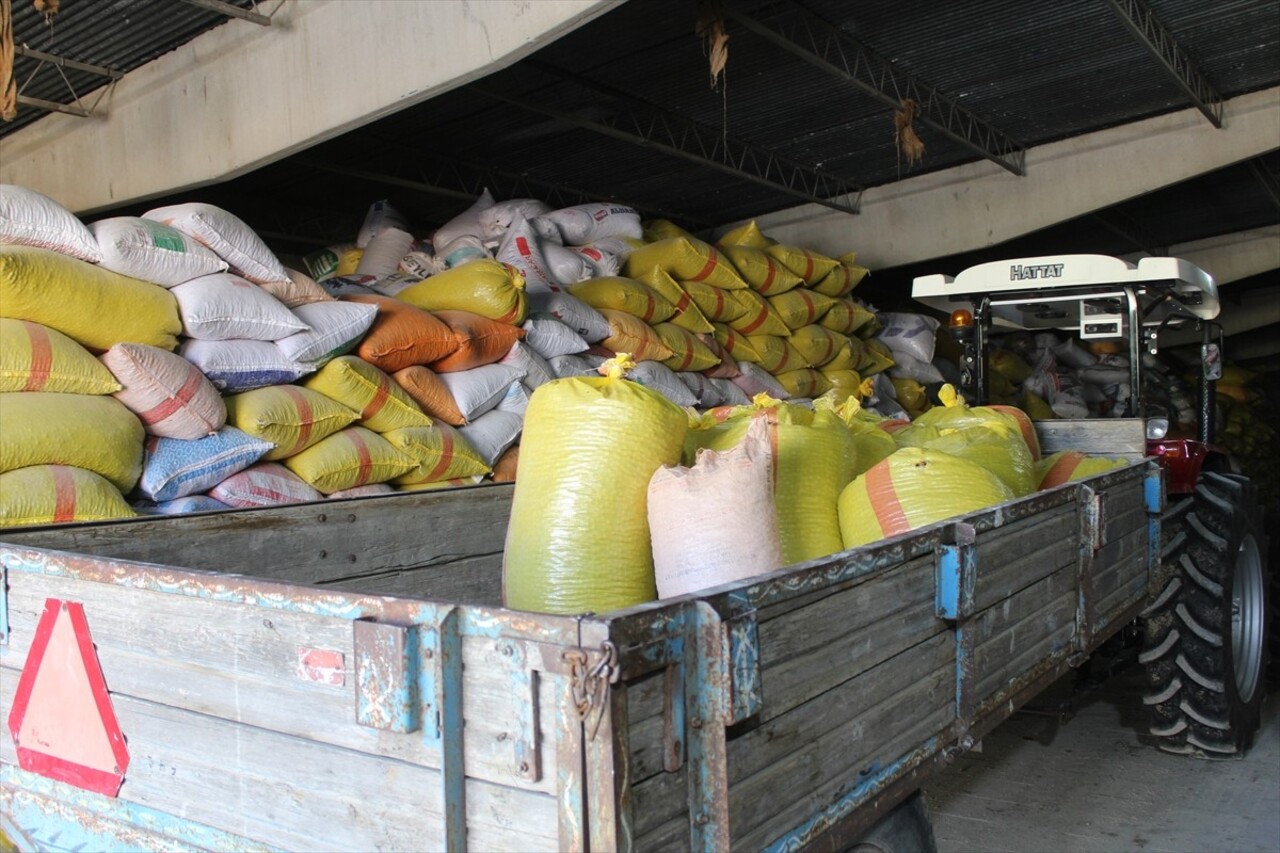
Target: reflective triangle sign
x: 62, y: 721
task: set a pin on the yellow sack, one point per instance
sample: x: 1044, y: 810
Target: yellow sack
x: 1037, y: 408
x: 715, y: 303
x: 36, y: 358
x: 663, y: 229
x: 631, y: 335
x: 53, y: 494
x: 844, y: 384
x: 760, y: 317
x: 818, y: 345
x: 776, y: 354
x: 1010, y: 365
x: 689, y: 353
x: 578, y: 538
x: 843, y: 278
x: 687, y: 314
x: 911, y: 395
x: 912, y: 488
x: 95, y: 433
x: 349, y: 459
x: 849, y: 355
x: 993, y: 446
x: 439, y: 453
x: 871, y: 443
x: 736, y: 344
x: 486, y: 287
x: 383, y: 405
x: 810, y: 266
x: 1068, y: 465
x: 93, y: 306
x: 685, y: 259
x: 746, y: 235
x: 764, y: 274
x: 624, y: 294
x: 803, y: 383
x: 957, y: 415
x: 289, y: 417
x: 846, y: 317
x: 441, y: 485
x: 801, y: 307
x: 876, y: 358
x: 814, y: 460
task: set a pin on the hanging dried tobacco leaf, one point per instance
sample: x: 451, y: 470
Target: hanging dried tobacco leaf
x: 909, y: 143
x: 715, y: 41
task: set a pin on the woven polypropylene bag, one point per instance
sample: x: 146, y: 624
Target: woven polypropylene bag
x: 36, y: 358
x: 95, y: 433
x: 485, y: 287
x: 578, y: 539
x: 94, y: 307
x: 169, y: 394
x: 1066, y: 466
x: 347, y: 459
x: 814, y: 459
x: 290, y: 418
x: 383, y: 405
x: 52, y: 494
x: 995, y: 447
x: 685, y: 259
x: 912, y: 488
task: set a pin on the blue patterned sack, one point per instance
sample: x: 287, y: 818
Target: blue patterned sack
x: 176, y: 468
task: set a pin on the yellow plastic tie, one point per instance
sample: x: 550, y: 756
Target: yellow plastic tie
x: 618, y: 366
x: 867, y: 388
x: 949, y: 396
x: 764, y: 401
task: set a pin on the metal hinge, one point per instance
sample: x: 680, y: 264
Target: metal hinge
x: 590, y: 674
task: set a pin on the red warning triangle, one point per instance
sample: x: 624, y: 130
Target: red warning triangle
x: 62, y: 721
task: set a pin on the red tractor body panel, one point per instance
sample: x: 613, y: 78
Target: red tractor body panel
x: 1182, y: 459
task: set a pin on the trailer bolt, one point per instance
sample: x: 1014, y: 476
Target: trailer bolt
x: 695, y: 722
x: 323, y: 517
x: 524, y: 767
x: 428, y: 654
x: 702, y: 820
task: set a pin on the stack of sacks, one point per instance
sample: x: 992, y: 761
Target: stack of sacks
x: 809, y: 334
x: 69, y: 451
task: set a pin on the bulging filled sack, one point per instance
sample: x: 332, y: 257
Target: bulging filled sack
x: 578, y: 539
x: 685, y: 259
x: 1066, y: 466
x: 814, y: 460
x: 585, y: 223
x: 36, y: 358
x: 95, y: 433
x: 152, y: 251
x: 54, y: 494
x: 912, y: 488
x: 289, y: 418
x: 226, y: 307
x: 29, y: 218
x: 489, y: 288
x: 992, y: 445
x: 714, y: 522
x: 169, y: 394
x: 227, y: 236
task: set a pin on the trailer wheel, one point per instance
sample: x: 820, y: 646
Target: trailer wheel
x: 906, y: 829
x: 1205, y: 631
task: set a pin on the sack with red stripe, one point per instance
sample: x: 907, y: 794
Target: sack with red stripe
x: 96, y: 433
x: 818, y: 345
x: 813, y: 461
x: 957, y: 415
x: 631, y: 335
x: 488, y: 288
x: 437, y: 452
x: 266, y: 484
x: 760, y: 317
x: 727, y: 368
x: 624, y: 294
x: 716, y: 304
x: 480, y: 340
x: 381, y: 403
x: 995, y: 446
x: 849, y: 355
x: 846, y: 317
x: 689, y: 353
x: 776, y: 354
x: 688, y: 315
x: 347, y: 459
x: 36, y: 358
x: 843, y: 278
x: 176, y: 467
x: 735, y: 344
x: 169, y: 394
x: 746, y: 235
x: 801, y: 307
x: 1066, y: 466
x: 290, y: 418
x: 685, y: 259
x: 812, y: 267
x: 805, y: 383
x: 765, y: 274
x: 53, y: 494
x: 912, y: 488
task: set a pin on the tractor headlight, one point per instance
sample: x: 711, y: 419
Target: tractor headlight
x: 1157, y: 428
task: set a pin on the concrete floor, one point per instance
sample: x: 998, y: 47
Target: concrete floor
x: 1094, y: 783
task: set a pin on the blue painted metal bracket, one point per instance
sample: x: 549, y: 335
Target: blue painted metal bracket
x: 707, y: 688
x: 1156, y: 496
x: 1153, y: 489
x: 746, y: 692
x: 1090, y: 542
x: 387, y: 678
x: 956, y: 568
x: 440, y: 690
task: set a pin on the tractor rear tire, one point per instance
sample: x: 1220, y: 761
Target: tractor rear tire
x: 1205, y: 628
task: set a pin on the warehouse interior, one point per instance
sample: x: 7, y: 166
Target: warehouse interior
x: 925, y: 137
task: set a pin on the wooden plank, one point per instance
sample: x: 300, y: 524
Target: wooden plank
x: 242, y: 663
x: 469, y: 580
x: 1023, y: 622
x: 1022, y: 553
x: 304, y: 543
x: 1115, y: 563
x: 1007, y: 671
x: 1126, y: 437
x: 297, y: 794
x: 1115, y: 604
